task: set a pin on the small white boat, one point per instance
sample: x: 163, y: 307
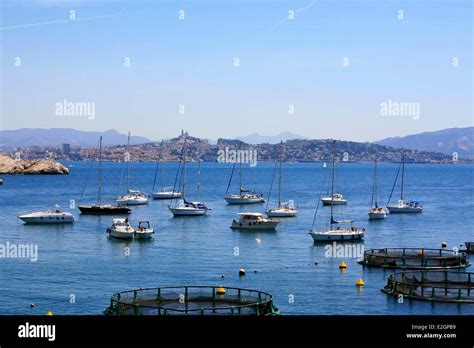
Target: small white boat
x: 121, y: 229
x: 283, y: 210
x: 184, y: 208
x: 144, y: 230
x: 166, y: 194
x: 338, y: 234
x: 335, y: 199
x: 253, y: 221
x: 405, y: 207
x: 134, y: 197
x: 57, y: 216
x: 244, y: 198
x: 377, y: 213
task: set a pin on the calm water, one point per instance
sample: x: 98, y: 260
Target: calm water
x: 81, y: 260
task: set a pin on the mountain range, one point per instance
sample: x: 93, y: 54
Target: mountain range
x: 446, y: 141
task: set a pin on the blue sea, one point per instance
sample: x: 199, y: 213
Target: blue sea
x: 79, y: 267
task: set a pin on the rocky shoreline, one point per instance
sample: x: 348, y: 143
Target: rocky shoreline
x: 11, y: 166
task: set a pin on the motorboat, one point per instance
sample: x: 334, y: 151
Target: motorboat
x: 144, y: 230
x: 121, y: 229
x: 253, y: 221
x: 335, y: 199
x: 56, y: 216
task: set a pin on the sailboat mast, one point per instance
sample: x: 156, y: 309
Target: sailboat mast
x: 279, y: 177
x: 240, y: 172
x: 99, y: 199
x: 333, y: 177
x: 403, y: 175
x: 199, y: 181
x: 161, y: 169
x: 184, y: 170
x: 128, y: 162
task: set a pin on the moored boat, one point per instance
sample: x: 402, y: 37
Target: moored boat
x: 253, y: 221
x: 121, y: 229
x: 56, y: 216
x: 144, y: 230
x: 376, y: 212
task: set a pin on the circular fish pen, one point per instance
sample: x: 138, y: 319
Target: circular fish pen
x: 414, y: 258
x: 192, y: 300
x: 436, y: 286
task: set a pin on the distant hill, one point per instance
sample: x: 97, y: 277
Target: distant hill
x: 256, y: 138
x: 446, y: 141
x: 54, y: 137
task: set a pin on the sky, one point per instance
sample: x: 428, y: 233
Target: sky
x: 222, y: 69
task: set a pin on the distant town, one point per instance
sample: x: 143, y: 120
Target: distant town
x: 297, y: 150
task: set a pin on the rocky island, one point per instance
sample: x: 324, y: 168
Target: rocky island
x: 9, y: 165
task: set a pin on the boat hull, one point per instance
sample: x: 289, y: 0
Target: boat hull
x: 377, y: 216
x: 132, y: 201
x: 166, y: 195
x: 241, y: 200
x: 271, y: 225
x: 144, y: 234
x: 334, y: 202
x: 103, y: 210
x: 120, y: 234
x: 188, y: 211
x: 281, y: 213
x: 326, y: 236
x: 400, y: 210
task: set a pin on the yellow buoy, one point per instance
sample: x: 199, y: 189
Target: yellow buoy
x: 241, y: 272
x: 220, y: 291
x: 49, y: 313
x: 360, y: 282
x: 342, y: 265
x: 420, y: 252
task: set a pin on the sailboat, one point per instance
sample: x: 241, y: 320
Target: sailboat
x: 164, y: 192
x: 244, y: 196
x: 99, y: 208
x: 336, y: 232
x: 335, y: 198
x: 376, y: 212
x: 403, y: 206
x: 184, y: 207
x: 284, y: 209
x: 133, y: 197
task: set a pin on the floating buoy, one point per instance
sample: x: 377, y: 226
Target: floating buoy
x: 316, y: 263
x: 220, y: 291
x: 32, y: 305
x: 444, y: 245
x: 222, y: 276
x: 49, y: 313
x: 360, y: 282
x: 255, y: 271
x: 241, y: 272
x: 342, y: 265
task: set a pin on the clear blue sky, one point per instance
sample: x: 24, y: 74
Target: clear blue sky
x: 282, y: 62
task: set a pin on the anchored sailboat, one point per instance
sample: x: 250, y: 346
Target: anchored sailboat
x: 402, y: 205
x: 284, y: 209
x: 164, y: 192
x: 335, y: 198
x: 99, y: 208
x: 376, y: 212
x: 133, y: 197
x: 184, y: 207
x: 335, y: 231
x: 244, y: 196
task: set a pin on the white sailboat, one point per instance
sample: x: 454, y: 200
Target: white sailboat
x: 402, y: 205
x: 164, y: 192
x: 376, y: 212
x: 132, y: 197
x: 244, y: 196
x: 184, y: 207
x: 56, y: 216
x: 284, y: 209
x: 343, y: 230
